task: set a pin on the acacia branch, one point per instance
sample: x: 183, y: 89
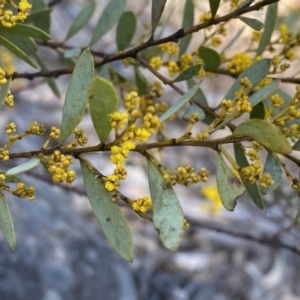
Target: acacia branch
x: 150, y: 43
x: 213, y: 144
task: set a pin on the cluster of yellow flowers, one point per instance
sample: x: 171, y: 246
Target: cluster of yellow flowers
x: 58, y: 165
x: 170, y: 48
x: 36, y: 128
x: 241, y: 100
x: 24, y: 192
x: 80, y: 139
x: 251, y: 173
x: 8, y: 18
x: 142, y: 204
x: 185, y: 175
x: 9, y: 100
x: 11, y: 128
x: 3, y: 80
x: 239, y: 62
x: 174, y: 67
x: 21, y: 190
x: 287, y: 114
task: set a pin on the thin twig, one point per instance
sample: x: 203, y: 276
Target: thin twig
x: 139, y: 148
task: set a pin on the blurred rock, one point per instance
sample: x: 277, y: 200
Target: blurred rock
x: 59, y: 254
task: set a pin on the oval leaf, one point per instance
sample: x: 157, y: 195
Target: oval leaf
x: 214, y: 5
x: 16, y: 50
x: 125, y: 30
x: 77, y: 94
x: 81, y: 20
x: 188, y: 73
x: 177, y: 105
x: 4, y: 91
x: 210, y: 57
x: 6, y: 223
x: 272, y: 167
x: 251, y: 189
x: 108, y: 214
x: 168, y: 218
x: 187, y: 22
x: 108, y: 19
x: 28, y: 165
x: 269, y: 24
x: 103, y: 100
x: 230, y: 186
x: 158, y: 7
x: 253, y: 23
x: 265, y: 133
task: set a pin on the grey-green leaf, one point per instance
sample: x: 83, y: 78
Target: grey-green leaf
x: 214, y: 5
x: 253, y: 23
x: 103, y: 100
x: 77, y: 94
x: 272, y: 167
x: 108, y: 19
x: 28, y: 31
x: 28, y: 165
x: 251, y: 189
x: 51, y: 81
x: 26, y: 44
x: 158, y: 7
x: 258, y: 111
x: 177, y: 105
x: 141, y: 83
x: 125, y: 30
x: 81, y: 20
x: 210, y: 57
x: 168, y: 218
x: 40, y: 15
x: 230, y: 186
x: 6, y: 223
x: 187, y: 22
x: 108, y: 215
x: 265, y: 133
x: 193, y: 109
x: 16, y: 50
x: 188, y: 73
x: 4, y: 91
x: 269, y: 27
